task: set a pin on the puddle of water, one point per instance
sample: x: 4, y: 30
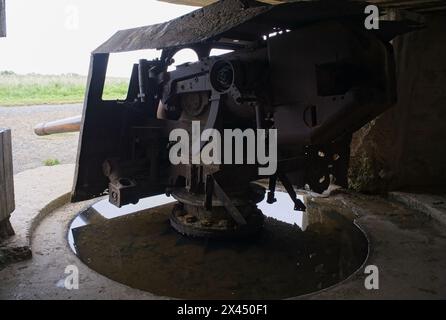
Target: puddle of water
x: 135, y: 245
x: 281, y: 210
x: 103, y: 209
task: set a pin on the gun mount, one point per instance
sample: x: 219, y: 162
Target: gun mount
x: 310, y: 70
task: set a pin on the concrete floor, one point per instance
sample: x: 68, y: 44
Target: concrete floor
x: 407, y: 246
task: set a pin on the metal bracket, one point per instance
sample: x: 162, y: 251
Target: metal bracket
x: 272, y: 189
x: 298, y: 205
x: 232, y: 210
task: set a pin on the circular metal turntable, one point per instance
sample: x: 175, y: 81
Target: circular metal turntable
x: 191, y: 217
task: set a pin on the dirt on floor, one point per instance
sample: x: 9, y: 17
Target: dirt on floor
x: 29, y: 150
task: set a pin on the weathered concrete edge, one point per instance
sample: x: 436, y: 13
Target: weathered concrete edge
x: 23, y: 251
x: 33, y: 205
x: 416, y: 204
x: 47, y: 209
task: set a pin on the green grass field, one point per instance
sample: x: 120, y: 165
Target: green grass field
x: 16, y: 90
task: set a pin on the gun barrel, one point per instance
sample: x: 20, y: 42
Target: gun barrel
x: 71, y: 124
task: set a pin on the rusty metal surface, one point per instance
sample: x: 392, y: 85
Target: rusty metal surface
x: 197, y: 26
x: 234, y: 19
x: 413, y: 5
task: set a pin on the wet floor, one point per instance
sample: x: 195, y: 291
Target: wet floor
x: 141, y: 250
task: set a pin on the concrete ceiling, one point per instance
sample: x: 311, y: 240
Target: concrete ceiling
x: 413, y: 5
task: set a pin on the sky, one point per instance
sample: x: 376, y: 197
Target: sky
x: 57, y: 36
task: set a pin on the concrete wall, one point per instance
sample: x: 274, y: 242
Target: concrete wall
x: 2, y: 19
x: 7, y: 204
x: 405, y: 148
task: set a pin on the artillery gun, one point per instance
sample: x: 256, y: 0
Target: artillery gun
x: 308, y: 69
